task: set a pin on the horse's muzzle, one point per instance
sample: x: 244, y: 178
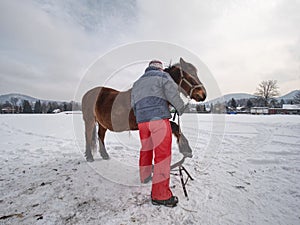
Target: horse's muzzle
x: 200, y: 96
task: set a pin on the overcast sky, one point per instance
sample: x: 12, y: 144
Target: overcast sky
x: 46, y: 46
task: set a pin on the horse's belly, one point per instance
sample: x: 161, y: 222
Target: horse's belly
x: 120, y: 120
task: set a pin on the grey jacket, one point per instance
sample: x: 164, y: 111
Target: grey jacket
x: 151, y: 95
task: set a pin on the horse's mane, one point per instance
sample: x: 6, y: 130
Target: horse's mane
x: 173, y: 65
x: 186, y: 67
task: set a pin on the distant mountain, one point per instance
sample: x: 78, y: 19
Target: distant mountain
x: 20, y: 97
x: 289, y: 96
x: 238, y: 96
x: 228, y: 97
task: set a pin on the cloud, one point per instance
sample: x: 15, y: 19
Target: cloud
x: 241, y: 41
x: 56, y: 39
x: 34, y: 45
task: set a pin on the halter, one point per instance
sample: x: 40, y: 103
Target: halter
x: 193, y: 87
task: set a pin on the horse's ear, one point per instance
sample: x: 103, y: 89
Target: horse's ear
x: 181, y: 60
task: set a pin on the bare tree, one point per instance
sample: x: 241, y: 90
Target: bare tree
x: 267, y: 90
x: 14, y: 101
x: 297, y: 98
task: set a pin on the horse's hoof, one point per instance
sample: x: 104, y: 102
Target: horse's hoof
x: 187, y: 154
x: 90, y: 159
x: 185, y: 149
x: 106, y: 157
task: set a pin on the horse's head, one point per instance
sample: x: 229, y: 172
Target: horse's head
x: 185, y: 75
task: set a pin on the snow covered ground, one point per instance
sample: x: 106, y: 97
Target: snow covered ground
x: 246, y: 170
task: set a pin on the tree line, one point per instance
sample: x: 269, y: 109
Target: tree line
x: 38, y: 106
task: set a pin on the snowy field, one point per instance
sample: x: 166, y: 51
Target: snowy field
x: 246, y: 170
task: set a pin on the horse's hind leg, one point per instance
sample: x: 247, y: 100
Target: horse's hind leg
x: 182, y: 142
x: 102, y: 149
x: 90, y: 130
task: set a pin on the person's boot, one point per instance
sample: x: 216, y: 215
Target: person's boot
x: 171, y: 202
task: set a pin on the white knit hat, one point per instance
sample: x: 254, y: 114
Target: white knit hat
x: 157, y: 64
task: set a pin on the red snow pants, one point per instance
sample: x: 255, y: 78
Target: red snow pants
x: 156, y: 141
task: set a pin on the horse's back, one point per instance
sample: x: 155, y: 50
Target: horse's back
x: 110, y: 108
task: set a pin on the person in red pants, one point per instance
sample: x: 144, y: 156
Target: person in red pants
x: 150, y: 98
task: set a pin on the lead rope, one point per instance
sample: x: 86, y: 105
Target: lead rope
x: 178, y: 164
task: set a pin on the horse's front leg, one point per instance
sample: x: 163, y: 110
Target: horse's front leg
x: 182, y: 142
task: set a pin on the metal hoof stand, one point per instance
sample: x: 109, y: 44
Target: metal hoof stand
x: 181, y: 169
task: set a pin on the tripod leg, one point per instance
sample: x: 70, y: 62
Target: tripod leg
x: 182, y: 182
x: 187, y: 173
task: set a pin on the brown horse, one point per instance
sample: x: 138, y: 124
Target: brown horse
x: 111, y: 109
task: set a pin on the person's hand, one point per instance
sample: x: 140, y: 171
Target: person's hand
x: 186, y: 106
